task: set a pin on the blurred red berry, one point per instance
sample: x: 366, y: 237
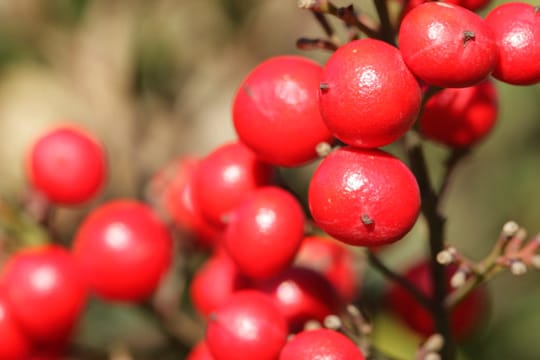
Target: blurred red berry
x: 464, y: 318
x: 516, y: 28
x: 67, y: 165
x: 265, y: 232
x: 302, y: 294
x: 45, y: 291
x: 460, y: 117
x: 321, y: 344
x: 248, y: 326
x: 14, y: 343
x: 224, y: 177
x: 123, y: 250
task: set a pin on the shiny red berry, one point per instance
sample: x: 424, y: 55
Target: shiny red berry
x: 358, y: 84
x: 67, y: 165
x: 224, y: 177
x: 460, y: 117
x: 516, y: 27
x: 465, y: 317
x: 45, y: 291
x: 265, y: 232
x: 276, y: 111
x: 123, y: 250
x: 302, y: 294
x: 213, y: 283
x: 364, y: 197
x: 447, y: 45
x: 15, y: 345
x: 321, y: 344
x: 248, y: 326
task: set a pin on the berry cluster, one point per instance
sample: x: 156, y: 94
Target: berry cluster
x: 273, y: 269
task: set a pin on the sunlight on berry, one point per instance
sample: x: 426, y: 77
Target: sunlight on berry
x: 117, y: 236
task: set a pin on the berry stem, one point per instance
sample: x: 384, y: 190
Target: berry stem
x: 398, y: 279
x: 313, y: 44
x: 436, y: 224
x: 387, y: 31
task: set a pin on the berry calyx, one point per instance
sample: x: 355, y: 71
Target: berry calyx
x: 364, y: 197
x: 358, y: 83
x: 123, y: 250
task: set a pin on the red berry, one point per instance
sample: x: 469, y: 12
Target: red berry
x: 464, y: 318
x: 265, y: 232
x: 14, y: 345
x: 172, y: 191
x: 247, y: 326
x: 473, y: 5
x: 364, y: 197
x: 224, y: 177
x: 358, y: 83
x: 123, y: 250
x: 332, y: 259
x: 214, y: 282
x: 200, y: 352
x: 276, y: 111
x: 460, y: 117
x: 45, y: 292
x: 302, y: 294
x: 516, y: 28
x: 321, y: 344
x: 67, y: 165
x: 446, y: 45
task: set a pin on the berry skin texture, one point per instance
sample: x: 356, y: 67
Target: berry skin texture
x: 265, y: 232
x: 247, y: 326
x: 447, y: 45
x: 224, y: 177
x: 320, y: 344
x: 364, y: 197
x: 14, y: 345
x: 462, y: 117
x: 464, y: 318
x: 276, y: 111
x: 302, y: 294
x: 67, y: 165
x: 214, y: 282
x: 358, y: 83
x: 45, y: 291
x: 516, y: 28
x: 123, y: 250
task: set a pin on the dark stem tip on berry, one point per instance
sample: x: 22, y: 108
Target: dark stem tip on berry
x: 324, y: 86
x: 537, y: 9
x: 366, y: 220
x: 468, y: 36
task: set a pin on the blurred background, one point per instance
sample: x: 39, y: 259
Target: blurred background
x: 155, y: 80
